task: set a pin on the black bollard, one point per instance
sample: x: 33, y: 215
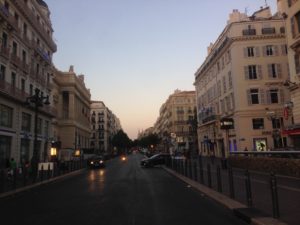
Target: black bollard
x: 201, y: 170
x: 185, y: 168
x: 195, y: 171
x: 42, y: 173
x: 230, y: 182
x: 15, y: 176
x: 219, y: 179
x: 2, y: 180
x: 274, y: 193
x: 208, y: 176
x: 248, y: 189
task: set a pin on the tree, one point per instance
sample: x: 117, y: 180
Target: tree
x: 121, y: 141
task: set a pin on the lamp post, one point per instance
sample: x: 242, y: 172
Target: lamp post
x: 37, y: 100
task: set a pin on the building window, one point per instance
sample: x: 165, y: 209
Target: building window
x: 250, y: 51
x: 258, y: 123
x: 274, y: 70
x: 46, y: 134
x: 5, y: 148
x: 4, y: 40
x: 14, y: 48
x: 276, y: 123
x: 224, y: 84
x: 273, y: 95
x: 26, y: 122
x: 2, y: 72
x: 6, y: 116
x: 219, y: 88
x: 297, y: 62
x: 24, y: 151
x: 23, y: 85
x: 30, y: 89
x: 39, y: 126
x: 269, y: 50
x: 251, y: 72
x: 253, y: 96
x: 295, y: 24
x: 13, y: 79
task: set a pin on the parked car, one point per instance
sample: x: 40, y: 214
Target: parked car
x: 96, y: 162
x: 157, y: 159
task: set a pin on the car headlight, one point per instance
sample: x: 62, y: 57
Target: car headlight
x: 92, y: 162
x: 101, y: 161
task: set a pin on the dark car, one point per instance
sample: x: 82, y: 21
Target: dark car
x: 157, y: 159
x: 96, y: 162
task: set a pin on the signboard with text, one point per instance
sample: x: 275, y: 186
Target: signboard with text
x: 226, y: 123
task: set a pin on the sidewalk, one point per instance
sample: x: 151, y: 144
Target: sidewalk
x: 37, y: 184
x: 250, y: 215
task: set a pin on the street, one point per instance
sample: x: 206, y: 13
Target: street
x: 122, y: 193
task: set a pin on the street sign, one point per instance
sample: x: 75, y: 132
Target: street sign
x: 226, y: 123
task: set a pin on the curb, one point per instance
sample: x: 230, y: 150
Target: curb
x: 31, y: 186
x: 249, y: 215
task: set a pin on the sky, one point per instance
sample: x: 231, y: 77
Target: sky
x: 135, y: 53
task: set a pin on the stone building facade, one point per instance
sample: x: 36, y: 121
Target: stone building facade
x: 72, y: 101
x: 290, y: 10
x: 26, y: 48
x: 175, y: 122
x: 241, y: 81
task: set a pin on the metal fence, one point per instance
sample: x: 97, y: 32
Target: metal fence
x: 251, y: 188
x: 23, y: 176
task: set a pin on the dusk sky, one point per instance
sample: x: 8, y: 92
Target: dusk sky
x: 135, y: 53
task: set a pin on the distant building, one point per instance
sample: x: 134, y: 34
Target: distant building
x: 241, y: 82
x: 290, y: 10
x: 26, y: 49
x: 72, y: 100
x: 174, y: 124
x: 104, y: 125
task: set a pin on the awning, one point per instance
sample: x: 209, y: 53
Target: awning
x: 291, y: 132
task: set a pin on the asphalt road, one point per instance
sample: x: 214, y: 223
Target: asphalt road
x: 122, y: 193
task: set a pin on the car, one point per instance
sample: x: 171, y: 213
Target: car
x: 96, y: 162
x: 157, y: 159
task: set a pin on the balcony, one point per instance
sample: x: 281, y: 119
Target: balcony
x: 4, y: 52
x: 12, y: 22
x: 180, y: 122
x: 249, y: 32
x: 33, y: 20
x: 15, y: 60
x: 12, y: 91
x: 269, y: 30
x: 25, y: 67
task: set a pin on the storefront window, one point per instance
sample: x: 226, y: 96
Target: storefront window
x: 24, y: 151
x: 6, y: 115
x: 5, y: 146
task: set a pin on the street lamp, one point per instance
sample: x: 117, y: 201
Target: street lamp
x: 38, y: 100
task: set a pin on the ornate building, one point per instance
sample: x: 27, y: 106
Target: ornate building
x: 175, y: 122
x: 290, y: 11
x: 72, y: 101
x: 241, y: 82
x: 26, y: 48
x: 104, y: 125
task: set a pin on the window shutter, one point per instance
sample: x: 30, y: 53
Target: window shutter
x: 262, y: 96
x: 293, y: 26
x: 259, y: 73
x: 246, y: 69
x: 268, y: 97
x: 276, y: 52
x: 249, y: 97
x: 283, y: 49
x: 278, y: 70
x: 281, y: 92
x: 264, y: 50
x: 270, y: 70
x: 245, y: 52
x: 257, y: 53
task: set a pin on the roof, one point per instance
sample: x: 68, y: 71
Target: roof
x: 42, y: 3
